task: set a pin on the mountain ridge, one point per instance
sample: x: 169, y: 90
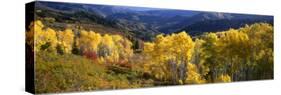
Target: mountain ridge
x: 145, y: 23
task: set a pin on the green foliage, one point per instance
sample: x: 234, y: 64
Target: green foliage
x: 60, y: 73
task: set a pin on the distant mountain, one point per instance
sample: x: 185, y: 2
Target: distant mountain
x: 71, y: 13
x: 212, y: 22
x: 143, y: 23
x: 103, y: 10
x: 221, y: 25
x: 151, y: 21
x: 169, y: 13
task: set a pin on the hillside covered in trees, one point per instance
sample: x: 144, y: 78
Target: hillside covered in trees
x: 86, y: 60
x: 81, y: 47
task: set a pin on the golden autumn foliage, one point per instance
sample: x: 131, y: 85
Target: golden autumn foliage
x: 106, y: 47
x: 236, y: 52
x: 65, y: 40
x: 193, y: 77
x: 110, y: 62
x: 88, y: 41
x: 40, y: 38
x: 170, y: 57
x: 213, y: 57
x: 223, y: 78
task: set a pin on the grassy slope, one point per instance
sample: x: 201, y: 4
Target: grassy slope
x: 66, y: 73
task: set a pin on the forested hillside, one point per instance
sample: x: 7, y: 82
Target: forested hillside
x: 82, y: 47
x: 140, y: 23
x: 80, y: 59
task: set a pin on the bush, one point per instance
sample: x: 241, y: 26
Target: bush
x: 68, y: 72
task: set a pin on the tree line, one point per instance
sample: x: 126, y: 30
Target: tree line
x: 232, y: 55
x: 171, y: 59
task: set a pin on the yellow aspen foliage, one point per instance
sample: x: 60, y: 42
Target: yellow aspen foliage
x: 66, y: 40
x: 168, y: 56
x: 105, y: 48
x: 108, y: 48
x: 108, y: 41
x: 223, y: 78
x: 173, y: 46
x: 193, y: 77
x: 261, y: 48
x: 47, y: 37
x: 115, y: 47
x: 34, y: 26
x: 41, y: 39
x: 234, y: 38
x: 122, y: 47
x: 170, y: 59
x: 88, y: 41
x: 127, y: 45
x: 183, y: 46
x: 148, y: 47
x: 197, y: 57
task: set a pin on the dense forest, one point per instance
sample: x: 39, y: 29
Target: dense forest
x: 77, y: 59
